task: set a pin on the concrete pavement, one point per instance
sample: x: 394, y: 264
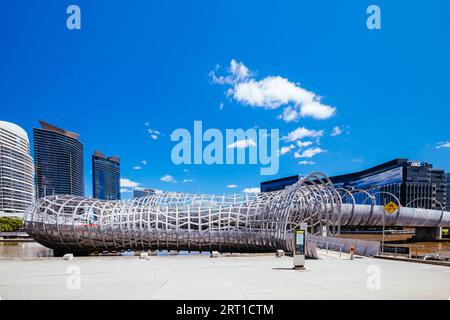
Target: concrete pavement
x: 227, y: 277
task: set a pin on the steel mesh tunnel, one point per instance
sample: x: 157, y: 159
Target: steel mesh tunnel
x: 260, y: 222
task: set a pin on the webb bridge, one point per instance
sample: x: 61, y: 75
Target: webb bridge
x: 262, y: 222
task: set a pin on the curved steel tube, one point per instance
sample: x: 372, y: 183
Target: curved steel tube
x: 392, y: 195
x: 426, y: 198
x: 178, y: 221
x: 369, y: 196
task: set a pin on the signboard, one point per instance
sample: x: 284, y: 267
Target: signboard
x: 391, y: 207
x: 300, y: 247
x: 445, y: 233
x: 417, y: 164
x: 300, y: 242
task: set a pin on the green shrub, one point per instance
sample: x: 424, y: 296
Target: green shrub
x: 8, y: 224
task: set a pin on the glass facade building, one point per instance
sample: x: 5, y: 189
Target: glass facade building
x: 278, y: 184
x: 16, y: 170
x: 139, y: 193
x: 105, y: 176
x: 448, y: 191
x: 59, y: 160
x: 414, y: 183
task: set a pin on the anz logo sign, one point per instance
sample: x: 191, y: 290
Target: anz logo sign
x: 418, y: 164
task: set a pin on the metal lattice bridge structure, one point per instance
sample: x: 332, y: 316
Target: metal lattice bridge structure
x: 259, y: 222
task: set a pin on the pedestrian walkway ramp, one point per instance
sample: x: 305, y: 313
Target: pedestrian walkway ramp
x: 362, y: 247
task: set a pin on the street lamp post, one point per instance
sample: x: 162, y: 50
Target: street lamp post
x: 384, y: 212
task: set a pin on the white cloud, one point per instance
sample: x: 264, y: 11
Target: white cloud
x: 154, y: 131
x: 232, y: 186
x: 154, y: 134
x: 443, y: 145
x: 272, y: 92
x: 237, y: 71
x: 124, y: 190
x: 221, y: 105
x: 309, y: 153
x: 147, y: 123
x: 185, y: 170
x: 168, y: 178
x: 188, y: 180
x: 242, y: 144
x: 301, y: 144
x: 317, y: 110
x: 301, y: 133
x: 286, y: 149
x: 304, y: 162
x: 252, y: 190
x: 290, y: 114
x: 336, y: 131
x: 137, y: 168
x: 144, y: 162
x: 126, y: 183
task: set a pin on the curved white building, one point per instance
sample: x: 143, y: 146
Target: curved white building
x: 16, y: 170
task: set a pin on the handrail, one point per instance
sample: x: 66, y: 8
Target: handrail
x: 427, y: 198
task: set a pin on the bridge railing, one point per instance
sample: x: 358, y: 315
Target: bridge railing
x: 362, y: 247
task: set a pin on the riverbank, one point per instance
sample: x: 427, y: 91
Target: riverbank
x: 417, y: 248
x: 18, y: 236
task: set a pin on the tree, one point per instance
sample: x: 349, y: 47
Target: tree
x: 8, y: 224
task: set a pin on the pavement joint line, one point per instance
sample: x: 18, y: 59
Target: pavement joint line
x: 160, y: 287
x: 232, y: 283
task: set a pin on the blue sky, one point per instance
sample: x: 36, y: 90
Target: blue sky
x: 141, y: 65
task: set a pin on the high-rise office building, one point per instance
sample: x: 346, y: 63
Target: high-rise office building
x: 16, y: 170
x: 447, y: 185
x: 58, y: 161
x: 414, y: 183
x: 105, y: 176
x: 139, y: 193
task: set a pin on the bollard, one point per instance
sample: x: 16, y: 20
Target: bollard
x: 352, y: 251
x: 144, y: 255
x: 215, y: 254
x: 279, y: 254
x: 68, y: 256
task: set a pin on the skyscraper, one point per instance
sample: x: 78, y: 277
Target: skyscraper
x: 447, y: 185
x: 16, y: 170
x: 105, y: 176
x: 58, y: 161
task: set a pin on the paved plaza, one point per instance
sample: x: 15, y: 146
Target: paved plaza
x: 227, y: 277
